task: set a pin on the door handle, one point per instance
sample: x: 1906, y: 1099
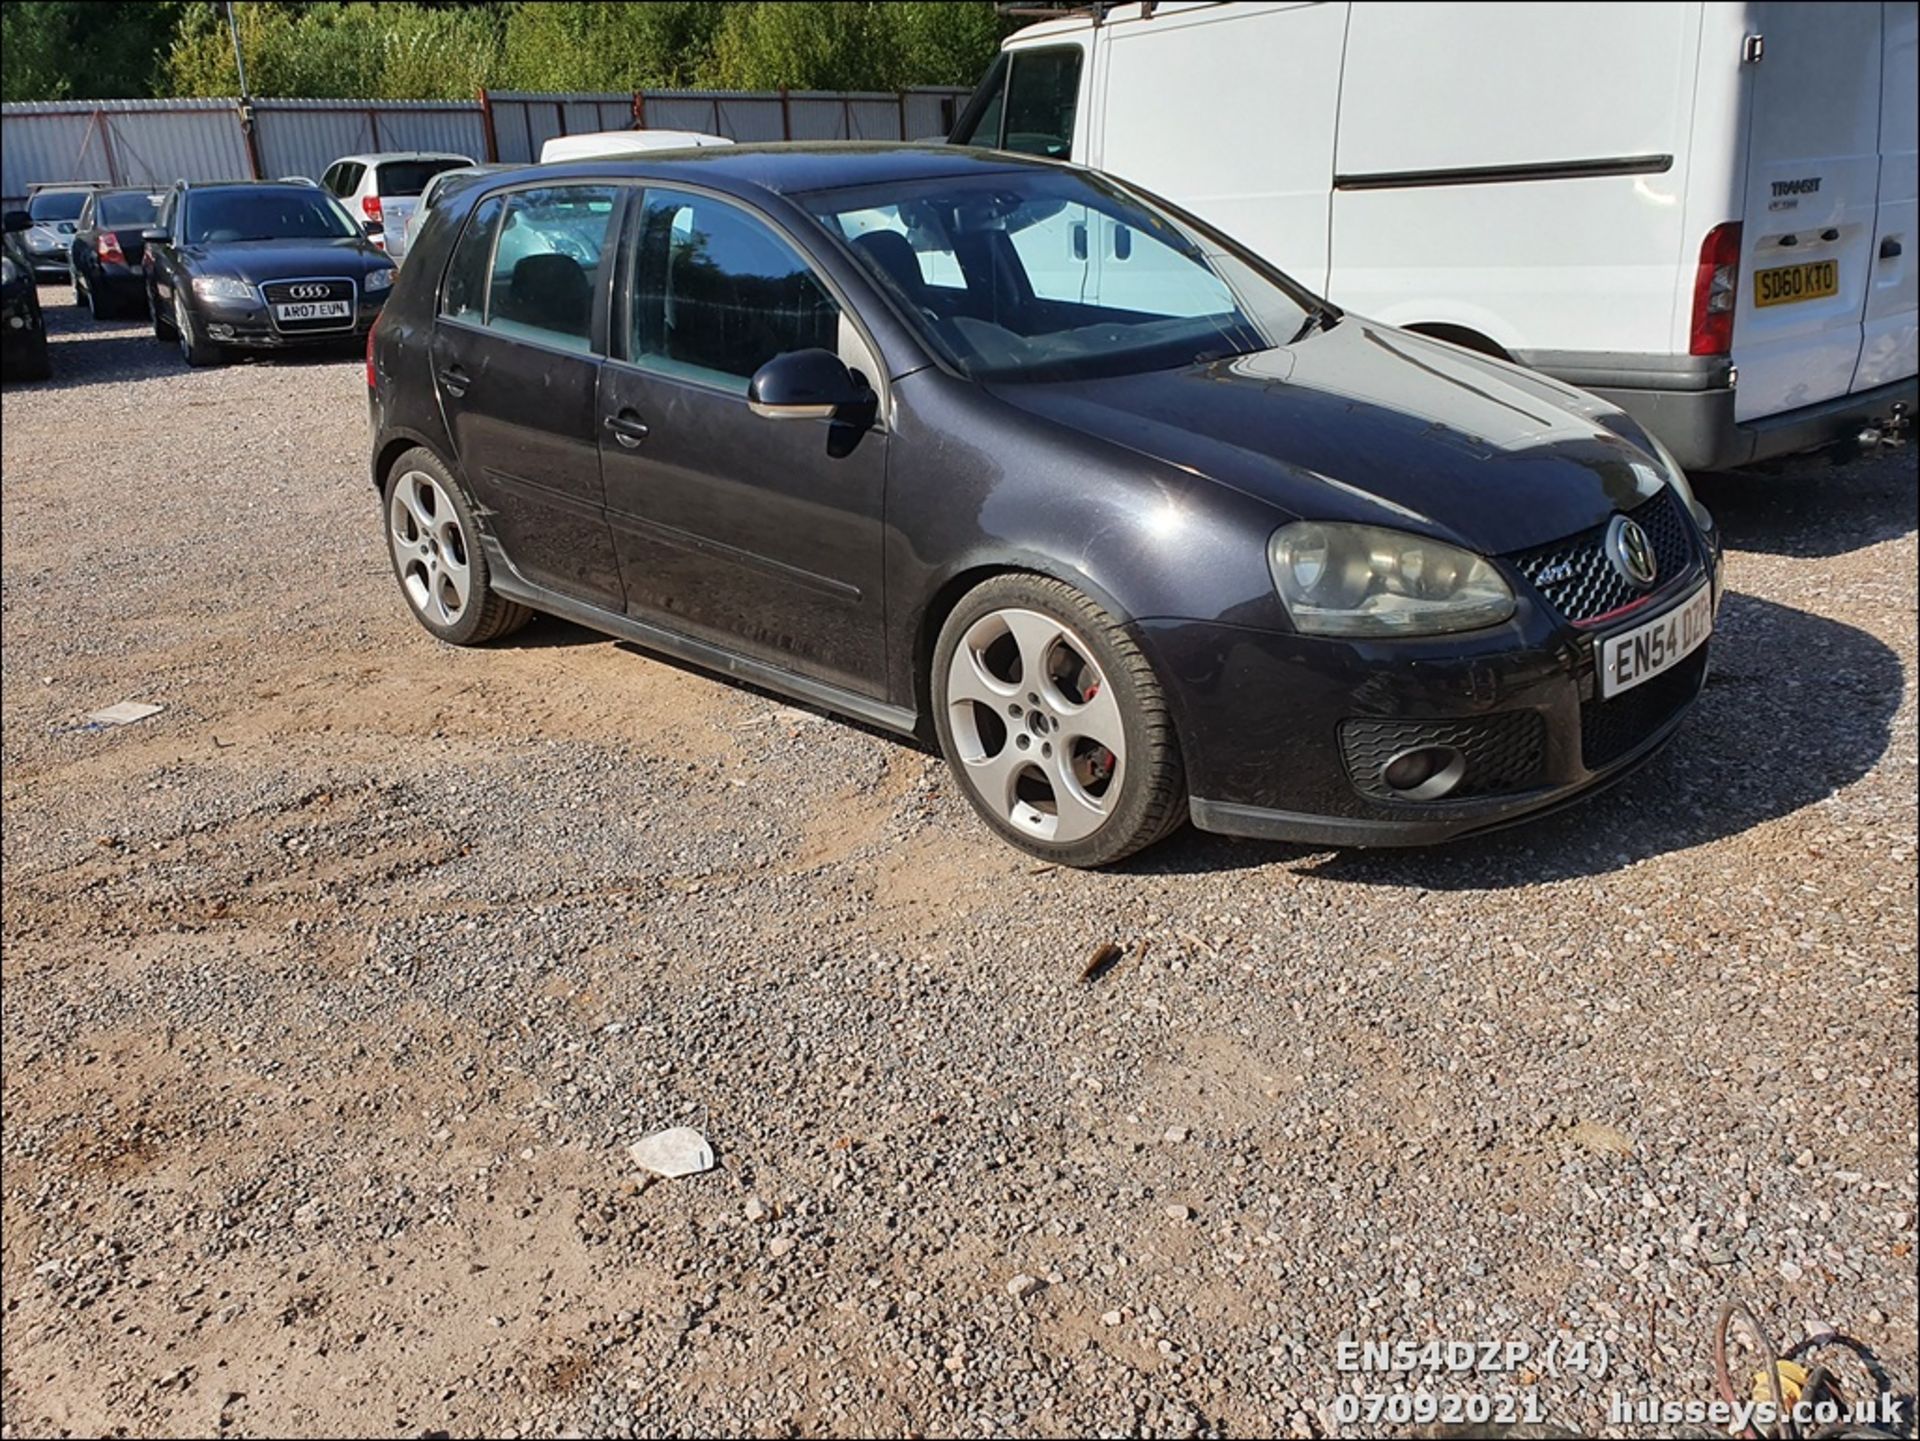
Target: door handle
x: 1889, y: 248
x: 628, y: 429
x: 455, y: 379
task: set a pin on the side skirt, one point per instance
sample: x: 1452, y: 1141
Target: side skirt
x: 516, y: 587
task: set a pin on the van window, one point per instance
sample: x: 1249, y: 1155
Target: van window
x: 1035, y: 111
x: 718, y: 293
x: 465, y: 296
x: 546, y: 264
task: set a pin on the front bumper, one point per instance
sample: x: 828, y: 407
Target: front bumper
x: 49, y: 265
x: 250, y: 323
x: 1268, y: 722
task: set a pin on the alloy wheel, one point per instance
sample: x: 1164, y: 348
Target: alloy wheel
x: 429, y: 548
x: 1036, y: 725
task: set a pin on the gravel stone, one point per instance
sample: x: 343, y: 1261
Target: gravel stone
x: 336, y: 990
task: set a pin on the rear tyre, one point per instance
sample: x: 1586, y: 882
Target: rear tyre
x: 1055, y: 724
x: 34, y: 364
x: 162, y: 323
x: 434, y: 544
x: 195, y: 348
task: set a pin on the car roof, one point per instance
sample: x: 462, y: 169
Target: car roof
x: 380, y: 157
x: 793, y: 169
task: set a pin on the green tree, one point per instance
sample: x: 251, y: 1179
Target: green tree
x: 563, y: 45
x: 84, y: 49
x: 853, y: 44
x: 353, y: 50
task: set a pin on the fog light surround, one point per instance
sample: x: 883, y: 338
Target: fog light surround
x: 1425, y: 773
x: 220, y: 332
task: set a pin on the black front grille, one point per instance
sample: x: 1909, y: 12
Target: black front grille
x: 1580, y: 582
x: 1609, y: 729
x: 295, y: 292
x: 1504, y: 752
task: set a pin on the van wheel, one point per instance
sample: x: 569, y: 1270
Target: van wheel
x: 437, y: 556
x: 1055, y: 723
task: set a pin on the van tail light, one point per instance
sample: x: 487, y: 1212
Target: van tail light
x: 371, y: 205
x: 1716, y: 286
x: 110, y: 248
x: 373, y: 376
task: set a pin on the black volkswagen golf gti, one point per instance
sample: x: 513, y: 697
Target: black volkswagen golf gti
x: 1008, y: 452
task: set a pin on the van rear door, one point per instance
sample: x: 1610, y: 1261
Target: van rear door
x: 1813, y: 177
x: 1891, y: 348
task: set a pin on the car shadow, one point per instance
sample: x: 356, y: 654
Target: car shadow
x: 1816, y: 506
x: 121, y: 351
x: 1796, y: 707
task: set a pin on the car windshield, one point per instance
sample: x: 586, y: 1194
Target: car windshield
x: 281, y: 213
x: 1059, y: 275
x: 57, y: 204
x: 409, y: 177
x: 133, y: 208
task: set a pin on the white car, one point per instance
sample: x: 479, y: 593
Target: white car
x: 380, y: 190
x: 600, y: 144
x: 438, y: 188
x: 1703, y: 212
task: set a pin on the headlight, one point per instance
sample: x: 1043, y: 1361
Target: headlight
x: 1677, y: 478
x: 221, y: 287
x: 378, y: 280
x: 9, y: 272
x: 1365, y: 580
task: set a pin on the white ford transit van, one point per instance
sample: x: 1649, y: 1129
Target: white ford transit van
x: 1704, y: 212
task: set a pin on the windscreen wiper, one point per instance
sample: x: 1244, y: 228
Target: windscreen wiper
x: 1321, y: 315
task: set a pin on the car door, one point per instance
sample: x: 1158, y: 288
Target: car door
x: 516, y: 361
x: 763, y: 536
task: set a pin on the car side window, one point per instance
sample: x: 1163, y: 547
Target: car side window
x: 546, y: 263
x: 328, y: 178
x: 465, y: 294
x: 717, y: 293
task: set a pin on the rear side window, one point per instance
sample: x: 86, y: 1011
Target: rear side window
x: 465, y: 295
x: 546, y: 263
x: 718, y: 293
x: 344, y: 178
x: 403, y: 178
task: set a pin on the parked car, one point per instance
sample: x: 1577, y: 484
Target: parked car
x: 439, y: 185
x: 23, y: 333
x: 381, y: 189
x: 1648, y: 201
x: 259, y: 264
x: 637, y: 140
x: 105, y: 251
x: 837, y: 421
x: 53, y: 209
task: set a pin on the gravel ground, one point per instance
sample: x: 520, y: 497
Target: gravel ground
x: 335, y: 992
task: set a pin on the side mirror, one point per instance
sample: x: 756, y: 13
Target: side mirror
x: 152, y: 235
x: 805, y: 385
x: 16, y: 220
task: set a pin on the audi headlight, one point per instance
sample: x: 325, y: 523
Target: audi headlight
x: 1366, y: 580
x: 379, y: 280
x: 221, y: 287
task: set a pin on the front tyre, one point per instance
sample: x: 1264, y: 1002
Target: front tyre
x: 1055, y: 723
x: 437, y: 556
x: 195, y: 348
